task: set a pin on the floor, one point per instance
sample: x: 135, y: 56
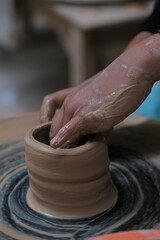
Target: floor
x: 29, y: 73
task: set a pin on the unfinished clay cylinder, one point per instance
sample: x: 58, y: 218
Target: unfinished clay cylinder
x: 68, y: 183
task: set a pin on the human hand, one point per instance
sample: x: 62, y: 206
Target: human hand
x: 53, y: 102
x: 86, y: 109
x: 104, y: 100
x: 76, y: 106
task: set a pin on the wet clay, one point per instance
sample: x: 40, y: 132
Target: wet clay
x: 68, y: 183
x: 115, y: 102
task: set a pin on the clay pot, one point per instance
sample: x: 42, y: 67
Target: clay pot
x: 68, y: 183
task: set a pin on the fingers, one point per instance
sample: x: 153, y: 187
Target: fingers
x: 57, y: 122
x: 68, y: 136
x: 60, y: 119
x: 47, y: 110
x: 70, y: 133
x: 72, y: 128
x: 51, y: 102
x: 72, y: 142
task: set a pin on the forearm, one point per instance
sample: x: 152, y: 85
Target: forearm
x: 129, y: 79
x: 138, y: 63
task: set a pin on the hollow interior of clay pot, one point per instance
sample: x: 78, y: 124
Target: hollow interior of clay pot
x: 42, y: 135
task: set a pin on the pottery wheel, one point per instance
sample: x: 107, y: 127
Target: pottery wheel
x: 135, y: 175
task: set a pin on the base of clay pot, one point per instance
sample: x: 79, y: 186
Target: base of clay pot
x: 67, y: 213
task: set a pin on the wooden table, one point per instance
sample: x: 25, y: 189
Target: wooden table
x: 15, y: 128
x: 78, y: 26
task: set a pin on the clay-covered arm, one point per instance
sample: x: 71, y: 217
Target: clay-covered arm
x: 107, y: 98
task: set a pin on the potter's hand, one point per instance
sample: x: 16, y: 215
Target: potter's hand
x: 52, y: 102
x: 76, y: 106
x: 107, y: 98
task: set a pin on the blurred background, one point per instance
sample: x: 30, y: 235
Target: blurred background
x: 49, y: 45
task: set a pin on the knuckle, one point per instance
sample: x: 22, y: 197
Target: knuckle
x: 47, y: 98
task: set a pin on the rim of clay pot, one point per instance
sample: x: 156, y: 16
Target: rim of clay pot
x: 42, y: 147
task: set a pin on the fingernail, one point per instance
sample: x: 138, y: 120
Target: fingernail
x: 55, y: 141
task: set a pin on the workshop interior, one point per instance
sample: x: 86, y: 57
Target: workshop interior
x: 87, y: 185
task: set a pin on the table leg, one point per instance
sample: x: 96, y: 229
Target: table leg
x: 81, y: 60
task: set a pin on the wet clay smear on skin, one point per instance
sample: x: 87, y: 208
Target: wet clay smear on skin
x: 137, y: 182
x: 114, y: 104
